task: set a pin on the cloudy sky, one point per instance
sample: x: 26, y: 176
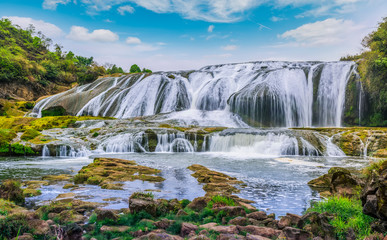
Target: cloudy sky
x: 189, y: 34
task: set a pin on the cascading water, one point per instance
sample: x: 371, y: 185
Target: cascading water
x: 45, y: 151
x: 171, y: 142
x: 272, y: 94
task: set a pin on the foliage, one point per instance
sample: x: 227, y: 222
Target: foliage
x: 135, y: 69
x: 374, y: 166
x: 217, y: 201
x: 114, y: 69
x: 12, y: 226
x: 143, y: 195
x: 373, y: 71
x: 10, y: 190
x: 348, y: 214
x: 54, y: 111
x: 25, y: 57
x: 30, y: 134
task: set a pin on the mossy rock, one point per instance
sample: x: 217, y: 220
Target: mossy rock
x: 30, y: 134
x: 11, y: 190
x: 106, y: 172
x: 323, y: 181
x: 29, y: 192
x: 54, y: 111
x: 58, y: 178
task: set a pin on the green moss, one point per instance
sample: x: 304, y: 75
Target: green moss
x: 30, y: 134
x: 54, y: 111
x: 219, y: 200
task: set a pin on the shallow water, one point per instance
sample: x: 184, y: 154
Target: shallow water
x: 277, y: 185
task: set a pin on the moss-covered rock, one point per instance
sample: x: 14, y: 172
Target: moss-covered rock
x: 106, y: 172
x: 11, y: 190
x: 30, y: 134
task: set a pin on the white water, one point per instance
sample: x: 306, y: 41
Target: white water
x: 45, y: 151
x: 277, y: 94
x: 171, y: 142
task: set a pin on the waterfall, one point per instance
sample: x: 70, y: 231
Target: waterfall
x: 332, y: 149
x: 130, y: 142
x: 267, y: 94
x: 172, y: 142
x: 69, y: 151
x: 45, y: 151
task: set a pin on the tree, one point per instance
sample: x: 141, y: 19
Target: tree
x: 135, y: 69
x: 145, y: 70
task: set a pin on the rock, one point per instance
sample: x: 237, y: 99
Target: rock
x: 225, y: 229
x: 296, y: 234
x: 231, y: 211
x: 198, y: 204
x: 180, y: 213
x: 103, y: 214
x: 199, y: 237
x: 248, y: 206
x: 40, y: 227
x: 156, y: 235
x: 121, y: 229
x: 72, y: 231
x: 164, y: 223
x: 241, y: 221
x: 318, y: 224
x: 25, y: 236
x: 290, y: 220
x: 229, y: 237
x: 70, y: 216
x: 261, y: 215
x: 146, y: 205
x: 10, y: 190
x: 255, y: 237
x: 343, y: 183
x: 208, y: 225
x: 138, y: 233
x: 204, y: 232
x: 261, y: 231
x: 166, y: 206
x: 187, y: 228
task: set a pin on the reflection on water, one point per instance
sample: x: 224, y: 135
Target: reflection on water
x: 276, y: 185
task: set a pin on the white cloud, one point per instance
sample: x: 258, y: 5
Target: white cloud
x: 52, y: 4
x: 78, y: 33
x: 125, y: 9
x: 276, y: 19
x: 48, y: 29
x: 327, y: 32
x: 210, y: 28
x: 133, y: 40
x: 230, y: 47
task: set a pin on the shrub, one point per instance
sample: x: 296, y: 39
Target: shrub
x: 218, y: 201
x: 348, y: 214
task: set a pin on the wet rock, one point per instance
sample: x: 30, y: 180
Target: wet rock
x: 241, y: 221
x: 57, y: 178
x: 103, y: 214
x: 140, y: 202
x: 295, y: 234
x: 229, y: 237
x: 260, y: 215
x: 28, y: 192
x: 187, y: 228
x: 343, y: 183
x: 198, y: 204
x: 290, y: 220
x: 70, y: 216
x: 261, y: 231
x: 121, y: 229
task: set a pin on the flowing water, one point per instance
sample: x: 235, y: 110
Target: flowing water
x: 276, y: 184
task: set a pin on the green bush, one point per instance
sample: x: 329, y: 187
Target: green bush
x: 220, y: 201
x: 348, y: 214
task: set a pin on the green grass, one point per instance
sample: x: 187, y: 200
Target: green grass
x: 348, y: 214
x: 143, y: 195
x: 218, y: 200
x: 374, y: 166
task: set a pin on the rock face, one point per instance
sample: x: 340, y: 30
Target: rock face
x: 374, y: 196
x: 338, y: 181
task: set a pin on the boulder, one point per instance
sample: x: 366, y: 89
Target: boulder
x: 103, y: 214
x: 146, y: 205
x: 72, y: 232
x: 343, y: 183
x: 187, y: 228
x: 255, y: 237
x: 230, y: 211
x: 261, y: 231
x: 260, y: 215
x: 198, y: 204
x: 225, y: 229
x: 157, y: 235
x: 40, y: 227
x: 290, y: 233
x: 289, y: 220
x: 163, y: 223
x: 121, y: 229
x: 229, y: 237
x: 241, y: 221
x: 317, y: 224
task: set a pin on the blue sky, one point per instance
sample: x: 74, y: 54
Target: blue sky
x: 183, y: 34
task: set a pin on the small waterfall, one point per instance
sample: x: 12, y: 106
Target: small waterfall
x: 45, y: 151
x: 332, y: 149
x: 129, y: 142
x: 69, y: 151
x: 308, y: 149
x: 172, y: 142
x: 266, y: 144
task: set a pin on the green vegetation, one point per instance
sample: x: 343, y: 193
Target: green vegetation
x: 30, y: 134
x: 347, y: 214
x: 374, y: 166
x: 373, y: 71
x: 25, y: 58
x: 218, y: 201
x: 136, y: 69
